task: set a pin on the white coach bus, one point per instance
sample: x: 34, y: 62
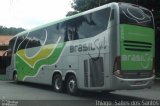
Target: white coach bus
x: 110, y: 47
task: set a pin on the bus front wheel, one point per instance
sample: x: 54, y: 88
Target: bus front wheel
x: 57, y: 83
x: 72, y: 85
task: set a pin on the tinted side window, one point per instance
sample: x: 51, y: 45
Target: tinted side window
x: 36, y: 38
x: 23, y: 43
x: 135, y: 15
x: 87, y: 25
x: 11, y: 44
x: 48, y: 35
x: 94, y: 23
x: 71, y: 29
x: 53, y: 34
x: 18, y: 42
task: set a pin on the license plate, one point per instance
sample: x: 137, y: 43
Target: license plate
x: 138, y: 82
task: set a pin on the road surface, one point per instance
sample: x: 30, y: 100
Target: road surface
x: 25, y: 94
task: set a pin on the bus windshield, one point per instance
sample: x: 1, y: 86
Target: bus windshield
x: 136, y: 15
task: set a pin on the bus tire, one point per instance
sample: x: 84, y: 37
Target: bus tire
x: 57, y: 83
x: 71, y: 85
x: 15, y: 77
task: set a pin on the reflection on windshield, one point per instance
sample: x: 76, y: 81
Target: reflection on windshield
x: 135, y: 15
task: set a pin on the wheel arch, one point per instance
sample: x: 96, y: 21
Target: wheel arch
x: 55, y: 73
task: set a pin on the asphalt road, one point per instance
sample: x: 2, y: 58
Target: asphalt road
x: 27, y: 94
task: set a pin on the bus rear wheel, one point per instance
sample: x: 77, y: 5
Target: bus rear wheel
x: 57, y: 83
x: 71, y: 85
x: 15, y: 77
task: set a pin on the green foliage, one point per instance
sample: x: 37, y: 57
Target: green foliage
x: 10, y: 31
x: 83, y: 5
x: 71, y: 13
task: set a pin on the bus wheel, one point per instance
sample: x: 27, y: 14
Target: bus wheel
x: 15, y: 77
x: 72, y: 85
x: 57, y: 83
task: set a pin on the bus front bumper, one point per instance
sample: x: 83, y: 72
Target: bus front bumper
x: 129, y: 84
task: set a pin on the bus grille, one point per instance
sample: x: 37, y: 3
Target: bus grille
x: 93, y: 73
x: 137, y: 46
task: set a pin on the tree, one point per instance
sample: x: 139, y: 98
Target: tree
x: 10, y: 31
x: 83, y: 5
x: 71, y: 13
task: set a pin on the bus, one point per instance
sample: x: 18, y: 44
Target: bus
x: 107, y: 48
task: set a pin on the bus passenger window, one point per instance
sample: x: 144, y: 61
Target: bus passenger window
x: 71, y: 34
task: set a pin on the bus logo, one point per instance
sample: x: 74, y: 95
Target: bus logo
x: 144, y: 59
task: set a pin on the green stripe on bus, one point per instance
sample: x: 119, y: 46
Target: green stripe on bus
x: 23, y: 69
x: 44, y: 53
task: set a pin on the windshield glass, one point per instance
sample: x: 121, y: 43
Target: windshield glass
x: 130, y: 14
